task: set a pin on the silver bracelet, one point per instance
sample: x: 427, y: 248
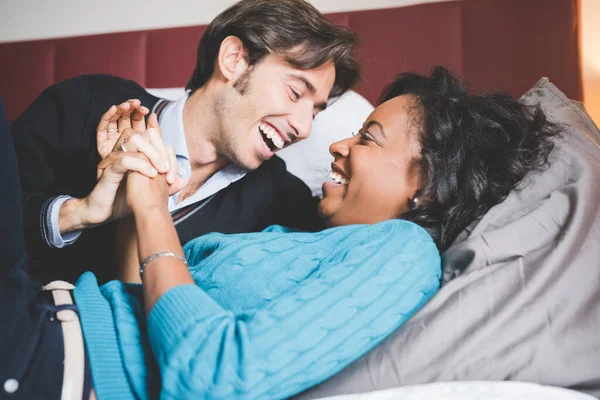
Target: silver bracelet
x: 154, y: 256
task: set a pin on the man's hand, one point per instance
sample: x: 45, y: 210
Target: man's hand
x: 132, y: 151
x: 105, y: 202
x: 151, y: 144
x: 129, y: 114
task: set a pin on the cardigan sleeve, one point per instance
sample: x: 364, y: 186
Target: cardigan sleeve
x: 55, y: 156
x: 55, y: 143
x: 300, y: 337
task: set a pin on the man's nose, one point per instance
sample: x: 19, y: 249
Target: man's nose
x: 303, y: 119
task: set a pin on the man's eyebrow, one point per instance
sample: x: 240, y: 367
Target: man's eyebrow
x: 377, y: 124
x: 311, y: 89
x: 309, y: 86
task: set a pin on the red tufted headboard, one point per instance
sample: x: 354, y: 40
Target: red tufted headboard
x: 501, y: 44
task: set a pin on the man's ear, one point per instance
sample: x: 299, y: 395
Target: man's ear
x: 231, y: 61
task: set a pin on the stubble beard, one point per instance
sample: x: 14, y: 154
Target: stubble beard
x: 230, y: 109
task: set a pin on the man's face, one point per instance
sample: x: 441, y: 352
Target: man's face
x: 270, y: 106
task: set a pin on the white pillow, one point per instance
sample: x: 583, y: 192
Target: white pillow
x: 310, y: 160
x: 168, y: 93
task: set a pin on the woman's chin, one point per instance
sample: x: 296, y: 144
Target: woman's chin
x: 331, y: 203
x: 322, y: 211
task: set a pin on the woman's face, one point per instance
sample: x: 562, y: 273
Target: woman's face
x: 375, y: 173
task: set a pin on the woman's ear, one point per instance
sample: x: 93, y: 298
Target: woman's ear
x: 416, y: 200
x: 231, y: 61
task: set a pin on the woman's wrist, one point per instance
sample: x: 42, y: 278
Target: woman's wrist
x: 154, y: 257
x: 143, y: 212
x: 156, y: 234
x: 155, y: 231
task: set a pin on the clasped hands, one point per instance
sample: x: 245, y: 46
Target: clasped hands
x: 137, y: 170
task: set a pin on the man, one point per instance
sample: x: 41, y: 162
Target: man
x: 264, y: 69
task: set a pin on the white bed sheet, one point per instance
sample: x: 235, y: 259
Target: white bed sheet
x: 479, y: 390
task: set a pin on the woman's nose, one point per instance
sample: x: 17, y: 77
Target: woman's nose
x: 341, y: 148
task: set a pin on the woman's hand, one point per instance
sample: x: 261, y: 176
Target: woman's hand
x: 129, y: 114
x: 144, y: 193
x: 149, y: 143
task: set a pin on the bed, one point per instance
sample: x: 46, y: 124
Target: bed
x: 520, y: 299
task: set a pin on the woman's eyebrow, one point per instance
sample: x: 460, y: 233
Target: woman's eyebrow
x: 377, y: 124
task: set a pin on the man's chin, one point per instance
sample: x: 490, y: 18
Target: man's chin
x: 248, y: 163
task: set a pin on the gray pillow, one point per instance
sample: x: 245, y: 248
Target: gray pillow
x: 521, y: 293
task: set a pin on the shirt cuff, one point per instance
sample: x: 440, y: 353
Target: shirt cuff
x: 49, y: 222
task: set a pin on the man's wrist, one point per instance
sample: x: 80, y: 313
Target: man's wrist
x: 72, y: 216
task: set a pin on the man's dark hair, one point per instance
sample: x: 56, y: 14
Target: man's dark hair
x: 280, y: 27
x: 475, y: 149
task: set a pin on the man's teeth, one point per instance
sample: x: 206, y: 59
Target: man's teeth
x: 272, y: 134
x: 338, y: 178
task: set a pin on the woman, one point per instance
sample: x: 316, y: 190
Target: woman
x: 266, y: 315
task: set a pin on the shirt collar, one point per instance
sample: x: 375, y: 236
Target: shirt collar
x: 171, y: 124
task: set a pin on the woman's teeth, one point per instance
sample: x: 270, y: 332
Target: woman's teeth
x: 338, y: 178
x: 271, y: 134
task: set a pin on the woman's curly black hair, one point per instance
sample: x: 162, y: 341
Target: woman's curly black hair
x: 475, y: 149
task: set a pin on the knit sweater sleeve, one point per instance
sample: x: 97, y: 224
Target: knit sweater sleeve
x: 372, y: 284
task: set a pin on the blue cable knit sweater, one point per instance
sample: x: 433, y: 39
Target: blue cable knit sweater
x: 271, y: 314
